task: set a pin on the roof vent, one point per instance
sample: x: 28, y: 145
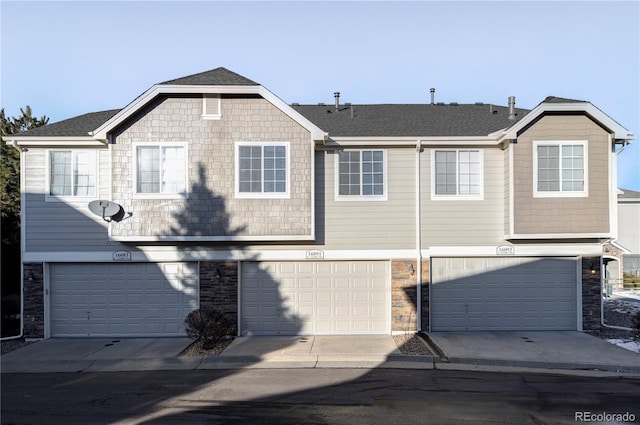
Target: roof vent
x: 440, y: 103
x: 337, y: 97
x: 512, y: 108
x: 454, y: 103
x: 433, y: 95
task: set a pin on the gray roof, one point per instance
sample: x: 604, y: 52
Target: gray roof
x: 215, y: 77
x: 416, y: 120
x: 628, y: 194
x: 555, y: 99
x: 73, y: 127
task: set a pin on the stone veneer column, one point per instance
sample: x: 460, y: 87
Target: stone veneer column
x: 403, y: 296
x: 33, y: 294
x: 591, y: 293
x: 425, y: 295
x: 219, y: 287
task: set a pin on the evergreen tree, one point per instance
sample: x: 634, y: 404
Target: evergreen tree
x: 10, y: 210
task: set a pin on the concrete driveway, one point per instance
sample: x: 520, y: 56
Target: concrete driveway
x: 567, y: 350
x: 554, y: 351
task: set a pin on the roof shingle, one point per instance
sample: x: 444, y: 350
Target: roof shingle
x: 73, y: 127
x: 214, y: 77
x: 413, y: 120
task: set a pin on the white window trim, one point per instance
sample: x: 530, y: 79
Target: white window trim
x: 210, y: 98
x: 134, y: 167
x: 436, y: 197
x: 560, y: 193
x: 69, y: 198
x: 358, y: 198
x: 262, y: 195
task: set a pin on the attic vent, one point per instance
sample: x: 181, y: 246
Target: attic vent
x: 295, y: 104
x: 479, y: 103
x: 454, y: 103
x: 211, y: 107
x: 440, y: 103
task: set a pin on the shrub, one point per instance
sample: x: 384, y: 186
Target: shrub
x: 209, y: 326
x: 635, y: 325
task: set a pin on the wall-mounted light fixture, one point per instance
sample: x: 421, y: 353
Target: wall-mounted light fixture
x: 412, y: 270
x: 594, y: 263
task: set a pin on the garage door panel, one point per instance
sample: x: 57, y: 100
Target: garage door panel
x: 133, y: 299
x: 321, y: 295
x: 510, y: 293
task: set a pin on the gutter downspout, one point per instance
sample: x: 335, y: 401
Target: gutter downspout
x: 21, y: 333
x: 418, y: 243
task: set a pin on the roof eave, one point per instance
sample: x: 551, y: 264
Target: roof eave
x: 588, y: 108
x: 102, y: 132
x: 53, y: 141
x: 412, y: 140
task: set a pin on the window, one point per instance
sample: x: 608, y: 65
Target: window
x: 361, y: 175
x: 161, y: 169
x: 262, y: 169
x: 560, y: 168
x: 457, y: 174
x: 72, y: 173
x: 211, y: 107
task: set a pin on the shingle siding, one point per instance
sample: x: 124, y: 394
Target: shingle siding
x: 562, y: 215
x: 212, y: 208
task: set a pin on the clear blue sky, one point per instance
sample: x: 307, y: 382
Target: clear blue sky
x: 67, y: 58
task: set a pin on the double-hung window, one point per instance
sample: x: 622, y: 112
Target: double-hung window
x: 560, y: 168
x: 457, y: 174
x: 161, y: 170
x: 262, y: 169
x: 72, y: 173
x: 361, y: 175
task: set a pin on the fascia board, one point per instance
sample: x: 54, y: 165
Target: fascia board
x: 260, y: 238
x: 619, y: 131
x: 54, y: 141
x: 531, y: 236
x: 412, y: 141
x: 159, y: 89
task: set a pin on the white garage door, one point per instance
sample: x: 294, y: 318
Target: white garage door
x: 505, y: 293
x: 132, y: 299
x: 315, y: 298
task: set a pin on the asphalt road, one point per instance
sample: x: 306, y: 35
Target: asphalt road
x: 315, y: 396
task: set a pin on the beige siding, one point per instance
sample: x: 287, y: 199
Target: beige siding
x: 212, y: 208
x: 562, y: 215
x: 386, y: 224
x: 465, y: 222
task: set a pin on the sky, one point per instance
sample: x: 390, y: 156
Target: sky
x: 68, y: 58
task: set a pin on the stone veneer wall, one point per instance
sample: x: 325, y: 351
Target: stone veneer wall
x: 219, y: 287
x: 425, y: 294
x: 33, y: 313
x: 404, y: 296
x: 591, y: 294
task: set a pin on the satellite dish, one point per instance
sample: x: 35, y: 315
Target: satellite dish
x: 108, y: 210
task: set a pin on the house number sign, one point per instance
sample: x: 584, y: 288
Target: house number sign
x: 505, y: 250
x: 315, y: 254
x: 121, y: 256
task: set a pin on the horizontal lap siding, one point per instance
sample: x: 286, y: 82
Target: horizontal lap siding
x: 61, y: 226
x: 386, y: 224
x: 466, y: 222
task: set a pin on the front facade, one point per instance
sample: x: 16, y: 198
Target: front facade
x: 315, y: 219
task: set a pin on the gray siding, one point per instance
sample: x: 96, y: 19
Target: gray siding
x: 58, y: 226
x: 465, y: 222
